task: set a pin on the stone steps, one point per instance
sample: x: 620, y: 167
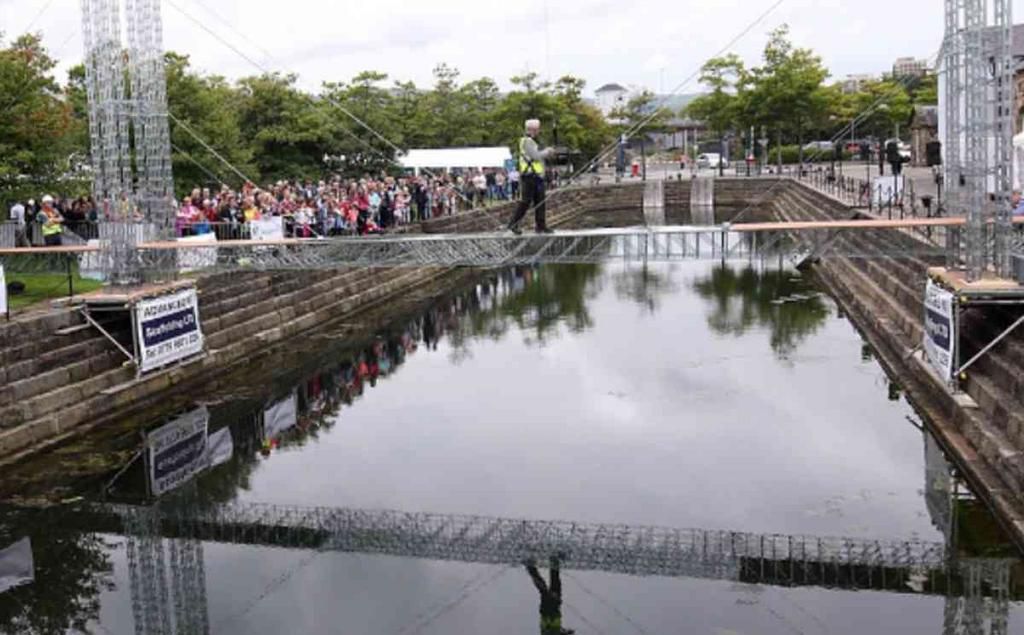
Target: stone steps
x: 260, y: 290
x: 50, y: 417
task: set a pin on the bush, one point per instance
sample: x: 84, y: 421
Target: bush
x: 791, y: 154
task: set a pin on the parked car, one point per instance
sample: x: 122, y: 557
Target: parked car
x: 819, y: 145
x: 710, y: 160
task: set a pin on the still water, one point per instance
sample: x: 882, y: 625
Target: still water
x: 691, y: 395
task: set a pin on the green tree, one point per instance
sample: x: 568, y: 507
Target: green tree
x: 785, y: 93
x: 363, y: 122
x: 720, y: 109
x: 642, y: 114
x: 207, y: 109
x: 288, y: 131
x: 37, y: 126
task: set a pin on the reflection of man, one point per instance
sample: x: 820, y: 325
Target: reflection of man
x: 550, y: 598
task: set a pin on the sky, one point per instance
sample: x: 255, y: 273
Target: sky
x: 657, y: 44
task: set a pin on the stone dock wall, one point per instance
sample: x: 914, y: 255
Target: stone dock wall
x: 981, y: 430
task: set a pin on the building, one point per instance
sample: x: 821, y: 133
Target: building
x: 910, y: 67
x: 610, y: 97
x: 853, y: 83
x: 924, y: 128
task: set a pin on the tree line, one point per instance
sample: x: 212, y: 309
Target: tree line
x: 267, y: 128
x: 787, y: 96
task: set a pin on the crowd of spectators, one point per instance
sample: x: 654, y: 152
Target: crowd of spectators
x: 331, y: 207
x: 342, y: 206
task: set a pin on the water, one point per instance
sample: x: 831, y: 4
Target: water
x: 689, y: 395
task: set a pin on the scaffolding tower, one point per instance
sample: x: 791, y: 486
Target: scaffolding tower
x: 128, y: 131
x: 978, y: 63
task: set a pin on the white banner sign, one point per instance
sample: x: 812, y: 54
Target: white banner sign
x: 199, y: 258
x: 281, y: 416
x: 887, y: 190
x: 177, y: 451
x: 267, y: 229
x: 939, y: 325
x: 3, y: 291
x: 168, y: 329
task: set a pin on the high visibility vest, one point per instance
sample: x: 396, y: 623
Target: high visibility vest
x: 526, y: 166
x: 51, y: 227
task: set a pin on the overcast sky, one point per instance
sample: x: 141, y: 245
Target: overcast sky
x: 652, y: 43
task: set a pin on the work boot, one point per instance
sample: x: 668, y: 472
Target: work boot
x: 545, y: 230
x: 515, y: 230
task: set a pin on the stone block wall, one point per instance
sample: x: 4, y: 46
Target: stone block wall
x: 677, y: 202
x: 568, y: 208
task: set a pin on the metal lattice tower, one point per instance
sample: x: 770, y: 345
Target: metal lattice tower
x: 979, y: 128
x: 128, y: 130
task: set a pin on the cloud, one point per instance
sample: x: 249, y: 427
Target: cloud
x: 599, y: 40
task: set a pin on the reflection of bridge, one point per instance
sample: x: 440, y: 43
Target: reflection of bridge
x: 977, y: 590
x: 646, y: 551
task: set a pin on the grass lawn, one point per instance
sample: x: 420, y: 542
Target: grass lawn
x: 40, y: 287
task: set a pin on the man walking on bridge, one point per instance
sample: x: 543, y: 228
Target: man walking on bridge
x: 531, y: 177
x: 550, y: 597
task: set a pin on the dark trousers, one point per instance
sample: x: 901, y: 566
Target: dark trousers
x: 533, y: 196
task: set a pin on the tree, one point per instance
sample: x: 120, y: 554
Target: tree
x: 642, y: 114
x: 785, y: 92
x: 720, y: 108
x: 207, y: 108
x: 288, y: 131
x: 37, y: 126
x: 363, y: 122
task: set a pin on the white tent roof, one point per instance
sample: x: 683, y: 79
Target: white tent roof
x: 456, y: 158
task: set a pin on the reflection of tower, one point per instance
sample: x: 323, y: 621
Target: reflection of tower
x: 983, y: 607
x: 128, y: 130
x: 162, y: 606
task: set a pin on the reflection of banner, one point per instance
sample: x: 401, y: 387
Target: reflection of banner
x: 219, y: 447
x: 281, y: 416
x: 16, y: 565
x: 168, y: 329
x: 3, y: 291
x: 200, y: 257
x: 267, y: 229
x: 177, y: 451
x: 938, y: 486
x: 939, y: 323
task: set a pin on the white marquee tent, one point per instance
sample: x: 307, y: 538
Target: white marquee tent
x: 448, y: 158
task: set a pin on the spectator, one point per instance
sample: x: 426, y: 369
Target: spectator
x: 1018, y: 203
x: 20, y: 228
x: 52, y: 223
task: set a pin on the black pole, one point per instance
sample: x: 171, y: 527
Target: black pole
x: 71, y: 283
x: 643, y: 156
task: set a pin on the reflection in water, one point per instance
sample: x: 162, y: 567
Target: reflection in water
x: 166, y: 541
x: 788, y: 306
x: 71, y: 570
x: 550, y: 597
x: 645, y: 286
